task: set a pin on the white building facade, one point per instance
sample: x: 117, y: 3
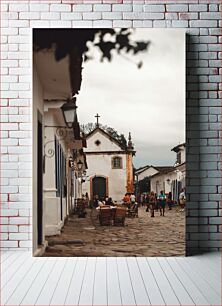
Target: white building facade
x: 57, y: 149
x: 144, y: 172
x: 174, y: 179
x: 110, y: 167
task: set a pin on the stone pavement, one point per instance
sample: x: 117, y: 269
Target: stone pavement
x: 142, y: 236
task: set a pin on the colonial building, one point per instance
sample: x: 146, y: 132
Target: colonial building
x: 143, y: 176
x: 174, y: 178
x: 110, y: 165
x: 145, y: 171
x: 179, y: 181
x: 162, y: 180
x: 58, y: 157
x: 61, y: 180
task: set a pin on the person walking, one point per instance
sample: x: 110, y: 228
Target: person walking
x: 162, y: 202
x: 142, y: 199
x: 157, y: 202
x: 182, y: 200
x: 169, y: 200
x: 152, y: 203
x: 138, y: 199
x: 87, y: 199
x: 146, y: 200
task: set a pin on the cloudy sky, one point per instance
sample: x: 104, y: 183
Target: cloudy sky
x: 149, y: 102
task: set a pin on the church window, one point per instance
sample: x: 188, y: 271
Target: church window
x: 97, y: 142
x: 116, y: 162
x: 179, y: 157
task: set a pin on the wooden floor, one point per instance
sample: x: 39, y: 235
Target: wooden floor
x: 110, y: 281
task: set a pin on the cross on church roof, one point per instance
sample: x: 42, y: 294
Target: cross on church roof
x: 97, y: 119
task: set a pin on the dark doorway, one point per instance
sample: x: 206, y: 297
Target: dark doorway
x: 99, y: 187
x: 39, y: 181
x: 60, y: 174
x: 144, y: 185
x: 61, y: 182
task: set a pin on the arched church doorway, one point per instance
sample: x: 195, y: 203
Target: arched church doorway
x: 99, y: 187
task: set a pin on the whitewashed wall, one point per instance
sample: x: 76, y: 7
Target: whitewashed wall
x: 159, y: 182
x: 183, y: 155
x: 106, y: 144
x: 147, y: 173
x: 201, y: 18
x: 51, y: 203
x: 101, y: 164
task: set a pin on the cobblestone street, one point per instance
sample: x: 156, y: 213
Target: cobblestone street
x: 142, y: 236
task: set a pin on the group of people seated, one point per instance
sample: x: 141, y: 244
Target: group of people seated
x: 128, y: 201
x: 129, y: 198
x: 102, y: 201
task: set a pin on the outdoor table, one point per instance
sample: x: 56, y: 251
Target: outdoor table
x: 112, y: 208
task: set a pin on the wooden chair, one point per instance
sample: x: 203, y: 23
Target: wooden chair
x: 133, y: 211
x: 120, y: 216
x: 105, y: 216
x: 80, y: 208
x: 120, y: 205
x: 125, y: 205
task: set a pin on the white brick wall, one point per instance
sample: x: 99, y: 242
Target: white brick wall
x: 200, y: 17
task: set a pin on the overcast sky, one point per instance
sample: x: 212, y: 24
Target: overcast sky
x: 149, y: 102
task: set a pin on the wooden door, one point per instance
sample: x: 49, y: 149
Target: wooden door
x: 99, y: 187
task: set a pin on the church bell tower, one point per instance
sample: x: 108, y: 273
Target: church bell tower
x: 129, y: 165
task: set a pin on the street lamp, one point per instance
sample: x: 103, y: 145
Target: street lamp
x: 79, y: 165
x: 69, y: 112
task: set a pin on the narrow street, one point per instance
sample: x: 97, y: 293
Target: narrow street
x: 142, y: 236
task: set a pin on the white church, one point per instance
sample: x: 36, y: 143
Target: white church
x: 110, y: 165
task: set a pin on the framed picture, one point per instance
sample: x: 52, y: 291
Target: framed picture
x: 112, y: 138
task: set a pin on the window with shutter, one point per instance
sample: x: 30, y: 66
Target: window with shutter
x: 116, y: 162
